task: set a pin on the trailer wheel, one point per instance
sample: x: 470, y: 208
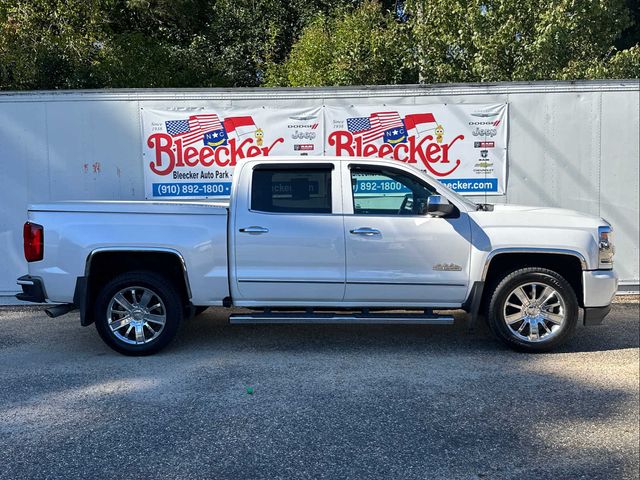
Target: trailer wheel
x: 138, y: 313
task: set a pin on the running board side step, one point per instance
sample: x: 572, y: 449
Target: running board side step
x: 285, y: 318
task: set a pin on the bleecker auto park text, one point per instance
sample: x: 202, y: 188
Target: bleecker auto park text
x: 202, y: 174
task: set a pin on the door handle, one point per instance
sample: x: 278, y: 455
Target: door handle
x: 368, y: 231
x: 254, y: 230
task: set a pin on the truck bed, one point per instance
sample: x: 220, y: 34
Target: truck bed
x: 76, y: 232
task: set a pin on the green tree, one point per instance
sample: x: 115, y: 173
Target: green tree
x: 147, y: 43
x: 248, y: 36
x: 362, y: 45
x: 491, y: 40
x: 156, y: 43
x: 49, y: 44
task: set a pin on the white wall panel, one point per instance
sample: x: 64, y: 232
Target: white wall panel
x: 24, y: 174
x: 619, y: 147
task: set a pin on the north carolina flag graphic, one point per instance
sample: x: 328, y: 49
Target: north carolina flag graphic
x: 418, y: 123
x: 217, y: 138
x: 396, y: 135
x: 239, y: 126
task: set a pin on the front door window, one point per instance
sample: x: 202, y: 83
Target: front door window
x: 388, y: 192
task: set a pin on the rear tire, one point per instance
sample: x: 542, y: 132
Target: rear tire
x: 138, y: 313
x: 533, y: 310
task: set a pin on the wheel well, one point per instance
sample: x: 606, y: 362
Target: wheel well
x: 103, y: 266
x: 568, y: 266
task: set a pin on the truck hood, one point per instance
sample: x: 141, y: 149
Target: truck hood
x: 537, y: 217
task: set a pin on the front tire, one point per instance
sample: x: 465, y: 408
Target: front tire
x: 533, y: 310
x: 138, y: 313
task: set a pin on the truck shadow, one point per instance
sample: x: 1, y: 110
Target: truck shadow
x: 211, y: 330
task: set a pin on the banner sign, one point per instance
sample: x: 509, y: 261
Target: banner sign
x: 463, y: 146
x: 190, y: 153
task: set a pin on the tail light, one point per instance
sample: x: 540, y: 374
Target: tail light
x: 33, y: 235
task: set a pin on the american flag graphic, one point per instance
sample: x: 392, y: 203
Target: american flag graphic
x: 373, y: 127
x: 193, y: 129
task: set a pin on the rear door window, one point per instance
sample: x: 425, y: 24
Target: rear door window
x: 291, y: 189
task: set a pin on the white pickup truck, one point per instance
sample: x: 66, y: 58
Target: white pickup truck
x: 320, y: 240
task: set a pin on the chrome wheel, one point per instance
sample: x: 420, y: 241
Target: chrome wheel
x: 534, y: 312
x: 136, y: 315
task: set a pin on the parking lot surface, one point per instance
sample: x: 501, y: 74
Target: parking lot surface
x: 399, y: 402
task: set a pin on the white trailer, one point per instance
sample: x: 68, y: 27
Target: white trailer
x: 574, y: 145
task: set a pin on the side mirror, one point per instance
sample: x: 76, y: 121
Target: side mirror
x: 438, y: 206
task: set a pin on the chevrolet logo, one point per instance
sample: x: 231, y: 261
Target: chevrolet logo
x: 447, y: 267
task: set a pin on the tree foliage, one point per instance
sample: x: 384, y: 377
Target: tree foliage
x: 147, y: 43
x: 48, y: 44
x: 44, y: 44
x: 347, y: 47
x: 491, y: 40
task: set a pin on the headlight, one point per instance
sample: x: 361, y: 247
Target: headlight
x: 605, y: 247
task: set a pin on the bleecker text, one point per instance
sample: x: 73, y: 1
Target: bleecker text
x: 429, y: 152
x: 170, y: 154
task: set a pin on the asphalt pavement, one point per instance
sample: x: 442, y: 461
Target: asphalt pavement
x: 362, y: 402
